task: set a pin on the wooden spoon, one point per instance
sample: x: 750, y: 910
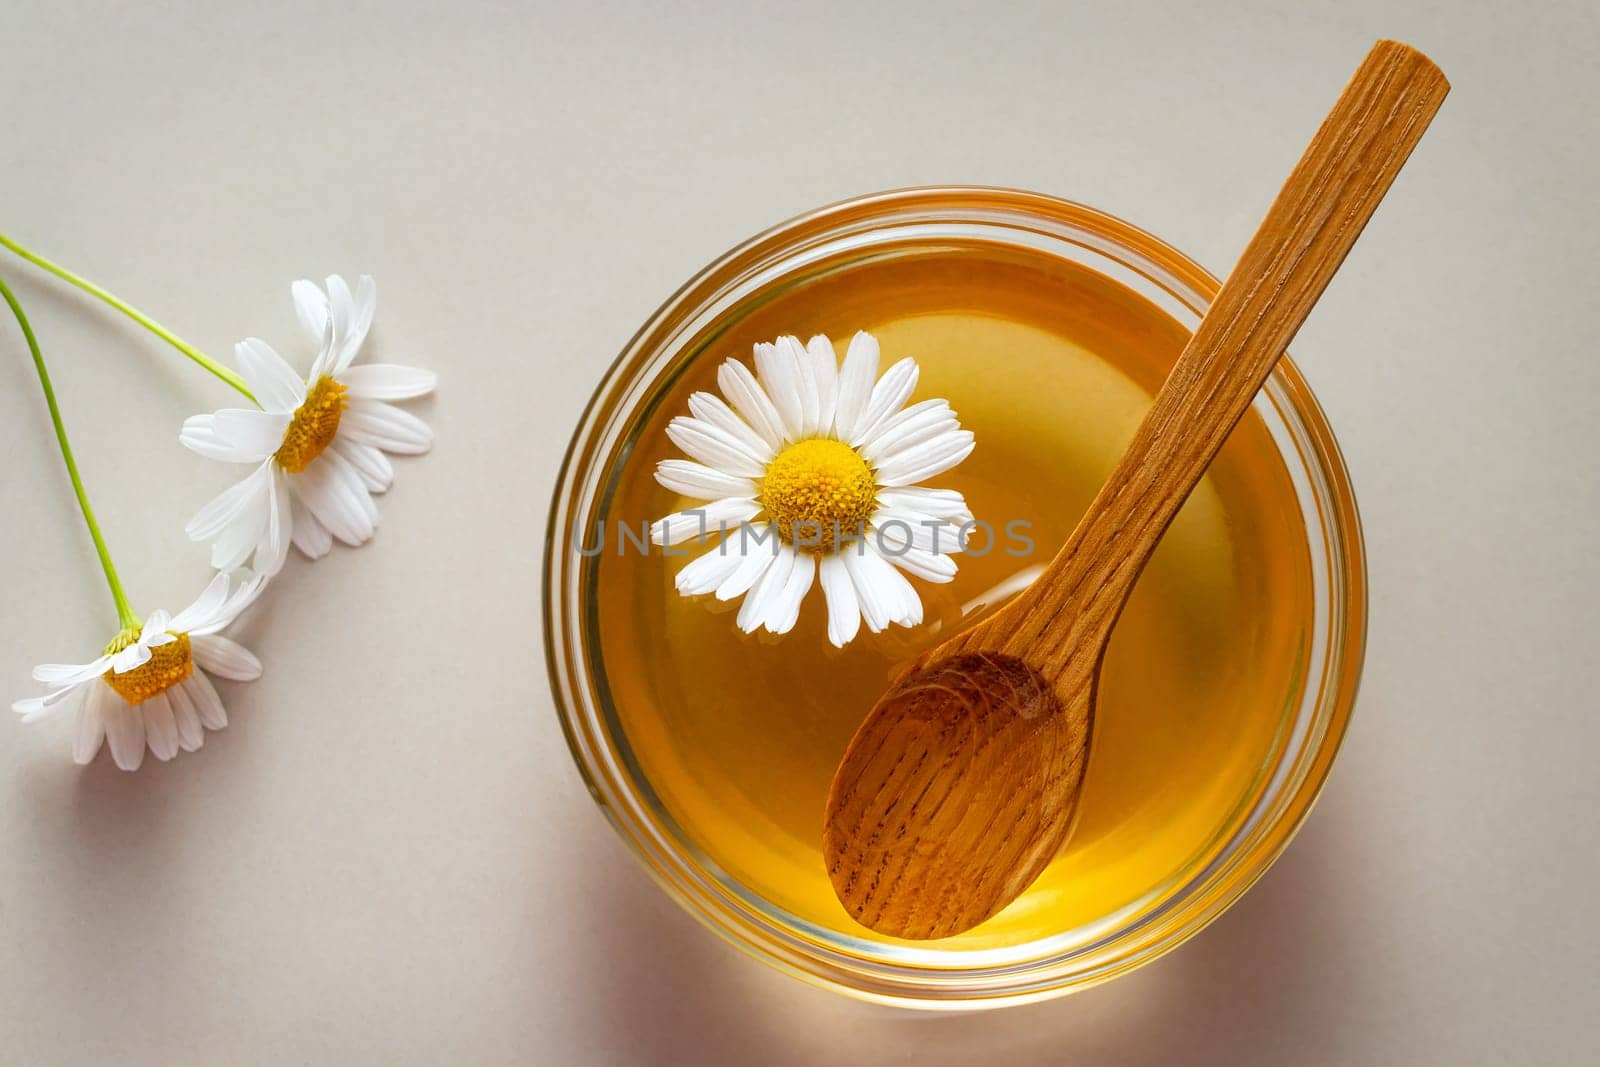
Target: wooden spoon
x: 963, y: 782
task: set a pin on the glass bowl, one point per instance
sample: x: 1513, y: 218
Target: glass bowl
x: 926, y: 975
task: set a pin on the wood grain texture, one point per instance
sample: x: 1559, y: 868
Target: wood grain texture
x: 962, y: 784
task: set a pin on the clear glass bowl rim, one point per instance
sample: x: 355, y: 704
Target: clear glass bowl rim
x: 833, y: 960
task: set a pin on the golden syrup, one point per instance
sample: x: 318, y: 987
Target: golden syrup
x: 1051, y: 365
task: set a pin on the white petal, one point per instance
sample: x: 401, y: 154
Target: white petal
x: 350, y: 318
x: 124, y: 724
x: 780, y: 377
x: 322, y: 366
x: 844, y: 614
x: 336, y: 497
x: 929, y: 566
x: 275, y: 384
x: 35, y: 708
x: 806, y: 383
x: 933, y: 503
x: 757, y: 546
x: 928, y: 459
x: 254, y: 435
x: 199, y: 435
x: 32, y: 709
x: 244, y: 594
x: 191, y: 733
x: 905, y: 605
x: 715, y: 447
x: 388, y: 381
x: 893, y: 528
x: 246, y: 520
x: 60, y: 674
x: 712, y: 409
x: 341, y: 310
x: 855, y: 384
x: 366, y: 303
x: 912, y: 426
x: 883, y: 592
x: 703, y: 521
x: 381, y: 425
x: 341, y: 305
x: 235, y: 545
x: 825, y: 370
x: 355, y: 487
x: 377, y: 473
x: 155, y: 625
x: 888, y: 397
x: 310, y: 536
x: 206, y: 701
x: 234, y: 435
x: 306, y: 533
x: 751, y: 401
x: 160, y: 727
x: 227, y: 505
x: 758, y: 602
x: 274, y: 548
x: 316, y: 490
x: 205, y: 606
x: 911, y: 603
x: 236, y: 539
x: 873, y: 608
x: 311, y: 304
x: 701, y: 482
x: 225, y: 658
x: 707, y: 572
x: 131, y: 658
x: 90, y: 730
x: 358, y: 321
x: 784, y: 611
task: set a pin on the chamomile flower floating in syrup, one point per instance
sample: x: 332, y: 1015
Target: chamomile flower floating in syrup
x: 318, y: 443
x: 148, y: 688
x: 810, y: 470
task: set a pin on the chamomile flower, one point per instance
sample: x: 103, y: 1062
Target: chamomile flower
x: 149, y: 688
x: 811, y: 470
x: 318, y: 444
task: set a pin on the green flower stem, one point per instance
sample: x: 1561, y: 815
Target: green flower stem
x: 133, y: 313
x: 125, y: 616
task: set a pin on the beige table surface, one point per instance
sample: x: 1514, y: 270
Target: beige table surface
x: 388, y: 856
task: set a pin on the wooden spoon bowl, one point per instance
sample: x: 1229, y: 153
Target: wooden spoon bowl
x: 978, y: 746
x: 962, y: 784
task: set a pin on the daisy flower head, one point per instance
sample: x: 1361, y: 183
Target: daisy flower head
x: 811, y: 468
x: 148, y: 688
x: 317, y: 444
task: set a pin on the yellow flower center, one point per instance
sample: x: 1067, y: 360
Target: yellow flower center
x: 313, y: 426
x: 817, y: 491
x: 168, y: 665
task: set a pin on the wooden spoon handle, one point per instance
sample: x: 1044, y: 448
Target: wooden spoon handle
x: 1317, y: 216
